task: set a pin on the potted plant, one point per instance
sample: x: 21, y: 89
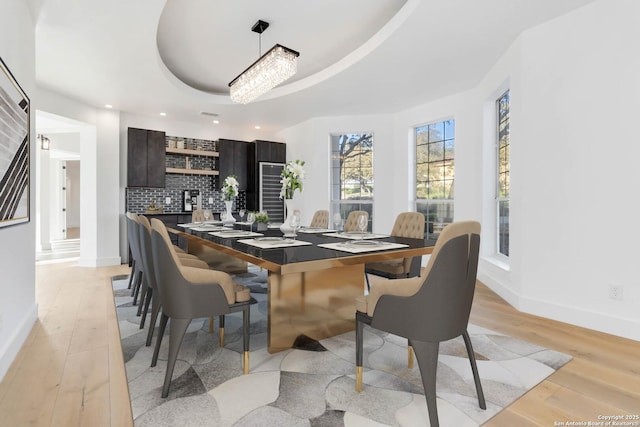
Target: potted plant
x: 262, y: 220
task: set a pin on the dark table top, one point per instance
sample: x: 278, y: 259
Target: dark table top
x: 309, y: 257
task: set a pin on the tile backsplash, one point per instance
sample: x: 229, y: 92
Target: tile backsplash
x: 139, y: 199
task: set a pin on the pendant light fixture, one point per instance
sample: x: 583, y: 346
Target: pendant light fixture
x: 274, y: 67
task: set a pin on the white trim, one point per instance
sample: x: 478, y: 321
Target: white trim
x: 610, y: 324
x: 9, y: 352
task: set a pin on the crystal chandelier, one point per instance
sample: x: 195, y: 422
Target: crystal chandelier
x: 273, y: 68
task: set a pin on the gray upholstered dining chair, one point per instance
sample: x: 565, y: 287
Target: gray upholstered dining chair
x: 188, y: 293
x: 407, y: 224
x: 435, y: 307
x: 137, y: 286
x: 136, y: 265
x: 149, y: 294
x: 320, y: 219
x: 351, y: 224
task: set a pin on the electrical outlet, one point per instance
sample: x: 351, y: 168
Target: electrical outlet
x: 616, y: 292
x: 167, y: 200
x: 210, y: 200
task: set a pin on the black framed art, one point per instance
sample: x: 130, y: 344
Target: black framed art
x: 14, y: 150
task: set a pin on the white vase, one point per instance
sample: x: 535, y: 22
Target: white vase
x: 285, y: 227
x: 228, y: 217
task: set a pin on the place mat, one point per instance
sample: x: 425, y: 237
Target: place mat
x: 356, y: 235
x: 235, y: 233
x: 274, y: 242
x: 199, y: 224
x: 362, y: 246
x: 310, y: 230
x: 208, y: 227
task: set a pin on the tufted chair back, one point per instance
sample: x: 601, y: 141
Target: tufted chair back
x: 320, y: 219
x: 198, y: 215
x: 409, y: 224
x: 351, y: 224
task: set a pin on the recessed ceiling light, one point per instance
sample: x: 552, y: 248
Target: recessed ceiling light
x: 216, y: 121
x: 257, y: 127
x: 108, y: 106
x: 163, y: 114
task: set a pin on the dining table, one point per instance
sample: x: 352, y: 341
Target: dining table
x: 313, y: 278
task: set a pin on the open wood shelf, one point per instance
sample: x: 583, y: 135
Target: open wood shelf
x: 193, y: 152
x: 192, y: 171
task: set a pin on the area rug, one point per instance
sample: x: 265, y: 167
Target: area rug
x: 314, y: 384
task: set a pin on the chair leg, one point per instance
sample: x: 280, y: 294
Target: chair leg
x: 427, y: 355
x: 245, y: 339
x: 177, y: 329
x: 221, y: 332
x: 147, y: 299
x: 474, y: 369
x: 163, y: 325
x: 136, y: 276
x: 359, y: 345
x: 211, y: 324
x: 409, y: 355
x: 366, y: 279
x: 133, y: 269
x: 143, y: 295
x: 155, y: 308
x: 136, y: 287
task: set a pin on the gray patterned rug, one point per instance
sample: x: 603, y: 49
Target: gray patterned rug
x: 314, y: 384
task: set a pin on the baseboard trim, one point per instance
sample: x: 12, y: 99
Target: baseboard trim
x: 606, y: 323
x: 601, y: 322
x: 9, y: 352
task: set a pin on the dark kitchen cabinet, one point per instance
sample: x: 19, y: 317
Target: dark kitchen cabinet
x: 261, y: 151
x: 233, y: 161
x: 145, y: 158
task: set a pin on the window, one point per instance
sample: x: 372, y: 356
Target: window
x: 435, y: 163
x: 352, y: 174
x: 503, y: 181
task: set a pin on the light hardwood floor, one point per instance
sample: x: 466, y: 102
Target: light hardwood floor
x: 70, y: 371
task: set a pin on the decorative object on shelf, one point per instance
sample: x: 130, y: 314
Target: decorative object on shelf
x: 229, y: 192
x: 153, y: 209
x: 271, y: 69
x: 262, y: 220
x: 292, y: 176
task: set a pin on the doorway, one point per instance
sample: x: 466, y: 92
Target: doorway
x: 58, y: 191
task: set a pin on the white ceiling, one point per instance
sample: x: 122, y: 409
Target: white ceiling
x: 356, y: 56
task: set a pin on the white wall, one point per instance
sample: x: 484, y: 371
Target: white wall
x: 99, y: 132
x: 575, y: 92
x: 18, y: 309
x: 577, y: 163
